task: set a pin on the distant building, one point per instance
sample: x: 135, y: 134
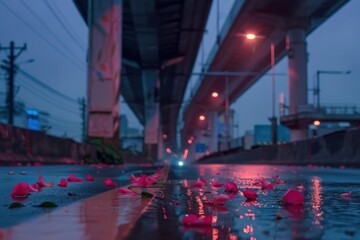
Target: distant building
x: 262, y: 134
x: 131, y: 139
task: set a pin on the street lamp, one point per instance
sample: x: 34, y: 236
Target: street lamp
x: 273, y: 119
x: 317, y: 88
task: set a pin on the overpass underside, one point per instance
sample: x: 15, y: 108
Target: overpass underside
x: 148, y: 47
x: 281, y: 27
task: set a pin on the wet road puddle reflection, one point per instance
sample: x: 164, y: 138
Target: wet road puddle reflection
x: 105, y: 216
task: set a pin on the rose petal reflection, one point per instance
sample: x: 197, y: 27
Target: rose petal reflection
x: 201, y: 230
x: 295, y: 211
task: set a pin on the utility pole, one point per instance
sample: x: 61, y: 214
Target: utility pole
x: 10, y: 67
x: 82, y: 104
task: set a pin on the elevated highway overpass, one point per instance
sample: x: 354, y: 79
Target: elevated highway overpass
x: 242, y: 62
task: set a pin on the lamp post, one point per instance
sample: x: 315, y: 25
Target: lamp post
x: 317, y: 88
x: 273, y: 118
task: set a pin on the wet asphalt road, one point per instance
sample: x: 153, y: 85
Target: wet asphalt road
x: 325, y: 215
x: 60, y: 196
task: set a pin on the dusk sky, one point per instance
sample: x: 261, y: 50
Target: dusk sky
x: 56, y: 38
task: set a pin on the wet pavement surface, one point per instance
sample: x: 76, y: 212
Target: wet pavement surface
x: 99, y: 212
x: 325, y: 214
x: 60, y: 196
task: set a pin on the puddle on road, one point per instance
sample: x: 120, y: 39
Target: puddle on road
x: 325, y: 215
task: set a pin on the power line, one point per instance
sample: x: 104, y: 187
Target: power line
x: 63, y: 25
x: 45, y: 94
x: 66, y: 22
x: 49, y: 29
x: 53, y: 103
x: 40, y: 83
x: 42, y: 37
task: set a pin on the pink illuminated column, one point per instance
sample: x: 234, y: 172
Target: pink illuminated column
x: 104, y: 68
x: 297, y: 60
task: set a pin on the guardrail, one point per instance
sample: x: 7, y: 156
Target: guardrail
x: 324, y: 109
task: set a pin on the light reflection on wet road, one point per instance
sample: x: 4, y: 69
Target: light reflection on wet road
x: 325, y: 215
x: 9, y: 217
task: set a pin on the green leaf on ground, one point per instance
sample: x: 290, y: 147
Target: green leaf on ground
x: 47, y: 205
x: 16, y: 205
x: 146, y: 195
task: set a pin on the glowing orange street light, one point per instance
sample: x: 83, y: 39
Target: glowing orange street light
x: 250, y: 36
x: 215, y: 94
x: 201, y: 117
x: 189, y: 141
x: 316, y: 123
x: 164, y: 136
x: 168, y: 150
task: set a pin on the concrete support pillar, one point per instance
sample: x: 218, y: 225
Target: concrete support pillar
x: 213, y: 143
x: 104, y: 68
x: 297, y: 70
x: 151, y: 102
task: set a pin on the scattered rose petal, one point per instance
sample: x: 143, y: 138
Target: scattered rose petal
x: 280, y: 181
x: 301, y: 188
x: 230, y: 187
x: 63, y: 183
x: 193, y: 220
x: 20, y: 191
x: 199, y: 183
x: 133, y: 179
x: 90, y: 178
x: 293, y: 197
x: 72, y: 178
x: 143, y: 180
x: 264, y: 184
x: 250, y: 194
x: 295, y: 211
x: 346, y: 195
x: 33, y: 188
x: 124, y: 190
x: 41, y: 183
x: 109, y: 182
x: 217, y: 184
x: 218, y: 200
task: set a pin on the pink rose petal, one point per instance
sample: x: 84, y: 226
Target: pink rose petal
x: 193, y: 220
x: 124, y: 190
x: 109, y: 182
x: 346, y: 195
x: 63, y: 183
x: 218, y: 200
x: 133, y: 179
x: 217, y: 184
x: 90, y: 178
x: 250, y: 194
x: 20, y: 191
x: 301, y: 188
x: 293, y: 197
x: 41, y: 183
x: 33, y: 188
x: 72, y: 178
x: 280, y: 181
x: 199, y: 183
x: 230, y: 187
